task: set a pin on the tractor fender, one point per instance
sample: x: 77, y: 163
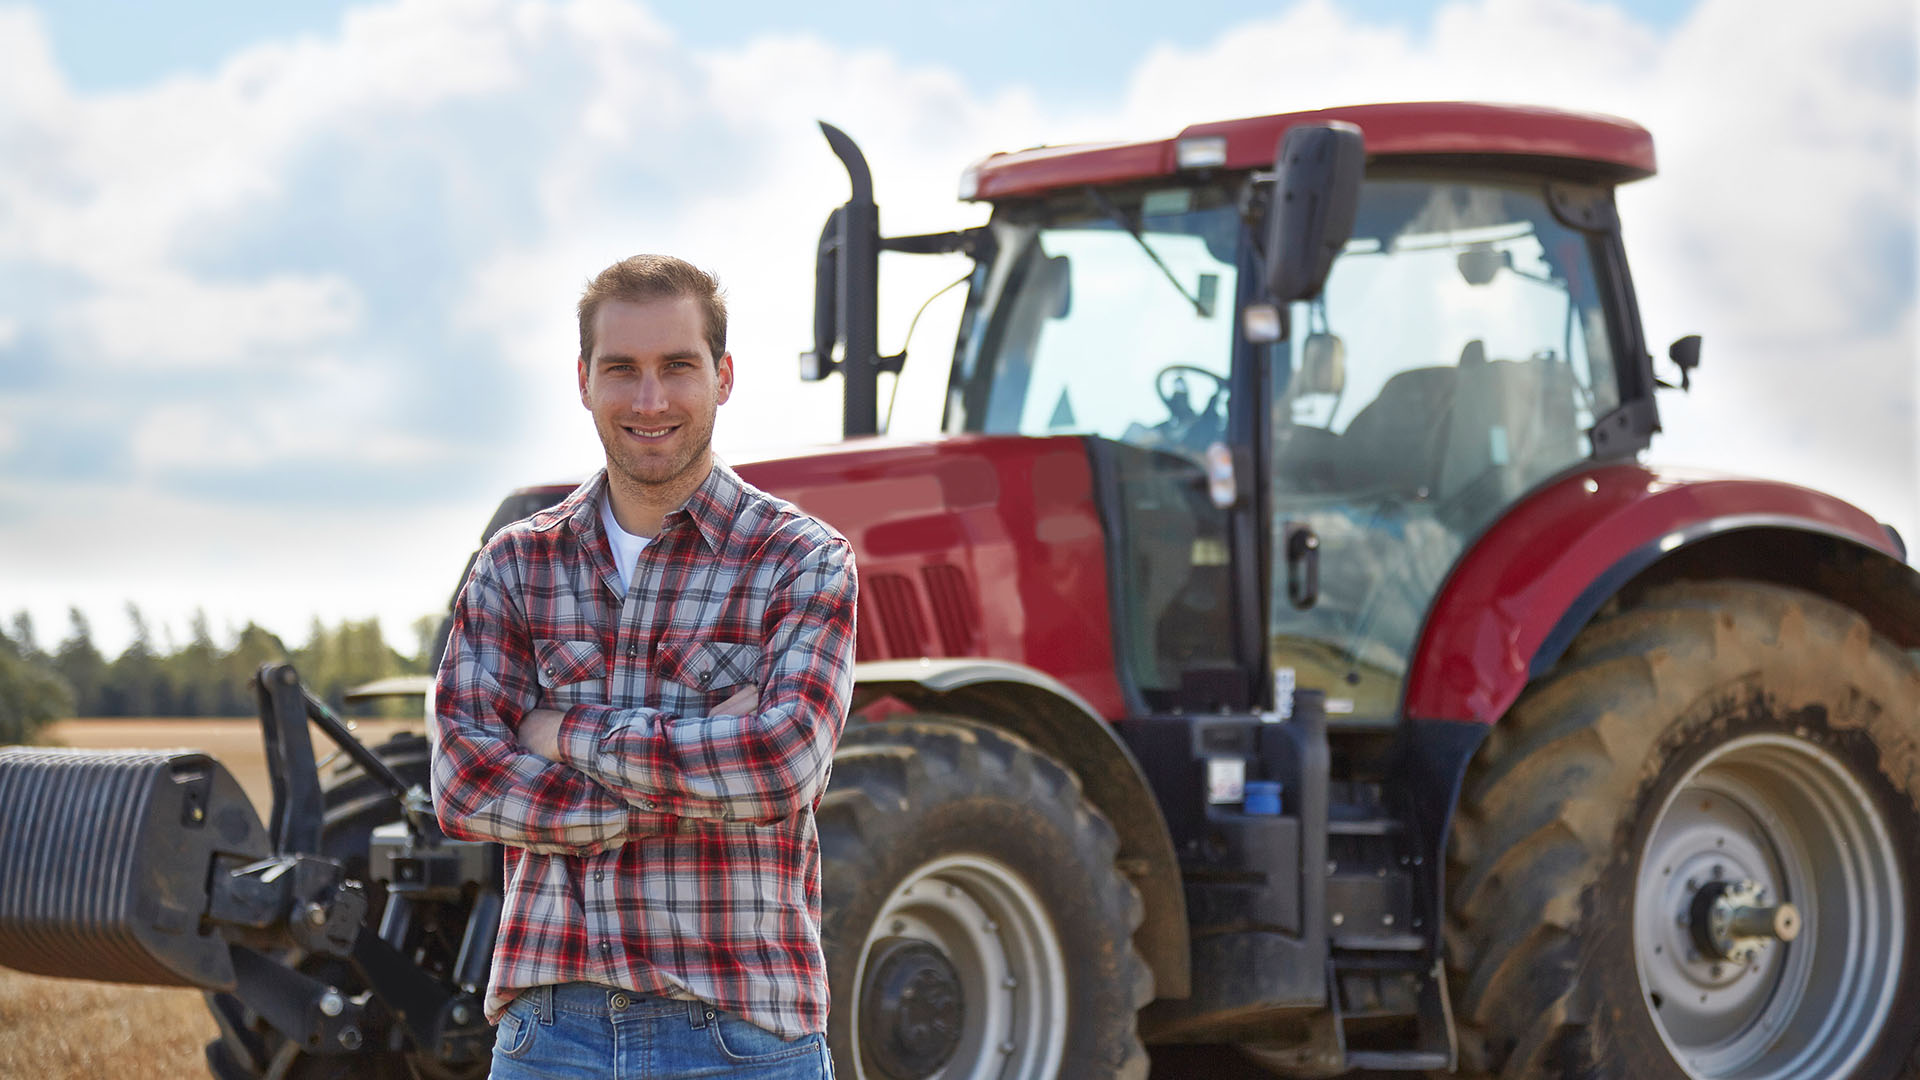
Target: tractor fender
x: 1516, y: 598
x: 1043, y: 711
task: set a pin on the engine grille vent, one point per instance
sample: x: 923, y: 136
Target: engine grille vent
x: 955, y: 614
x: 902, y: 619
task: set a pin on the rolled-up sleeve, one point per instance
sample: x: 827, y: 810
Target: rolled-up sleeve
x: 758, y: 768
x: 485, y: 785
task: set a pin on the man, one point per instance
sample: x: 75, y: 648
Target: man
x: 640, y: 699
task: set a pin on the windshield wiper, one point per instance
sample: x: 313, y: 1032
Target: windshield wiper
x: 1119, y: 217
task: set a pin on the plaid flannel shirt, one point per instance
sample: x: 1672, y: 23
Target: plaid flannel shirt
x: 668, y: 851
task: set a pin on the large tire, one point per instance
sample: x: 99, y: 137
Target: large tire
x: 1705, y: 742
x: 974, y: 914
x: 353, y: 805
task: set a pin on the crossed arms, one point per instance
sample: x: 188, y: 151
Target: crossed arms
x: 595, y: 776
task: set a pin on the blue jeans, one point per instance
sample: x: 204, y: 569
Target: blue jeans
x: 585, y: 1030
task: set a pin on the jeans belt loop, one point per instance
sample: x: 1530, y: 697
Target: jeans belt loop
x: 698, y: 1014
x: 543, y: 1003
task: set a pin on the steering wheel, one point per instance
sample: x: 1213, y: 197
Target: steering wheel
x: 1186, y: 424
x: 1181, y: 408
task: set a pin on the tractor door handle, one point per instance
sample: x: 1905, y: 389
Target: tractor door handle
x: 1303, y: 566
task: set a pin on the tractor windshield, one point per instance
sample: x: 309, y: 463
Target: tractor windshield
x: 1455, y: 360
x: 1108, y: 314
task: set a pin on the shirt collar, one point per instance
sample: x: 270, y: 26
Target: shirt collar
x: 711, y: 507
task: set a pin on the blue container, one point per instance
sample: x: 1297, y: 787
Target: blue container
x: 1261, y: 797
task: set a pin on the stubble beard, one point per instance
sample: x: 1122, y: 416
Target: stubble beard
x: 654, y: 477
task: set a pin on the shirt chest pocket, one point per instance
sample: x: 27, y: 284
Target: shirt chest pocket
x: 570, y: 672
x: 701, y: 673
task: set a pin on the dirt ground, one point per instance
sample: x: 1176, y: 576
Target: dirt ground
x: 64, y: 1029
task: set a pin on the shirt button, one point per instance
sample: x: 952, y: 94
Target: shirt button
x: 633, y: 650
x: 649, y: 804
x: 549, y: 673
x: 599, y: 875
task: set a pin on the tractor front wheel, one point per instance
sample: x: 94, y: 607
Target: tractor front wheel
x: 1690, y: 851
x: 976, y: 925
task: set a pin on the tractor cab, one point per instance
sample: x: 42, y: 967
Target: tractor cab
x: 1287, y: 479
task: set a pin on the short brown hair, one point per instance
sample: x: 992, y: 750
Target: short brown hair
x: 655, y: 277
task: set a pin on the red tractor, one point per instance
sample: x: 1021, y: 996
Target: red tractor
x: 1283, y: 648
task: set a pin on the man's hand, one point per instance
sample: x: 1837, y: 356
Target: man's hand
x: 540, y: 728
x: 744, y: 702
x: 540, y: 732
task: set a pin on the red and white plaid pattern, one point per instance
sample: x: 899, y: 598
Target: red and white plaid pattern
x: 669, y: 851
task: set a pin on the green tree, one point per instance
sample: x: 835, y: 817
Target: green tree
x: 252, y: 647
x: 31, y: 696
x: 81, y: 666
x: 136, y: 683
x: 23, y: 637
x: 194, y: 671
x: 426, y: 633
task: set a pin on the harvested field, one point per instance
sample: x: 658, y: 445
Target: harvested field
x: 63, y: 1029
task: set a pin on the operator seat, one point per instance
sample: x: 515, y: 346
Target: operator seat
x: 1306, y: 455
x: 1513, y: 424
x: 1395, y: 442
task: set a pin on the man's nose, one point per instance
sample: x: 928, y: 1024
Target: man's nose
x: 651, y: 395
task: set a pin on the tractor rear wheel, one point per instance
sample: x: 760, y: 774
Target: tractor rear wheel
x: 1690, y: 851
x: 975, y: 923
x: 354, y: 804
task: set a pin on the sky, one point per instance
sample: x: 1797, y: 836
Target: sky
x: 286, y: 289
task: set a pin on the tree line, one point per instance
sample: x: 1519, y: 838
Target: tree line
x: 39, y: 685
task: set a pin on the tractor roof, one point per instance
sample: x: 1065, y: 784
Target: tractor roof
x: 1587, y: 144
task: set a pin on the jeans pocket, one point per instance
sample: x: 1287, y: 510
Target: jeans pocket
x: 515, y: 1034
x: 745, y: 1043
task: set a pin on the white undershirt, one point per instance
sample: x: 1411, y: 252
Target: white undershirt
x: 626, y: 546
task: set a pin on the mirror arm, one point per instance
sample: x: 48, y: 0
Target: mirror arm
x: 969, y: 242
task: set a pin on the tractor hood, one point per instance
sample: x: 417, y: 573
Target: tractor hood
x: 968, y: 545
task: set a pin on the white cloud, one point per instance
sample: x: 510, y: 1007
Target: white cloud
x: 166, y: 319
x: 363, y: 248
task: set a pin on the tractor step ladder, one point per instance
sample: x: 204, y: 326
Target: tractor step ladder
x: 1387, y: 989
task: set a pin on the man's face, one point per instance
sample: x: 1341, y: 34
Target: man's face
x: 653, y: 388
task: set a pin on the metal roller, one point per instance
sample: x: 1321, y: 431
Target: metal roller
x: 105, y: 859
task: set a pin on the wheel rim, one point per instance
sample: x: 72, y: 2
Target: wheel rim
x: 1769, y: 820
x: 1004, y: 952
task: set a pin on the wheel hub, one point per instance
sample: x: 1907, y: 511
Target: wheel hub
x: 1734, y: 922
x: 1768, y: 915
x: 912, y: 1009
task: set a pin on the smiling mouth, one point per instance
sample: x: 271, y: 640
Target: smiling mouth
x: 650, y: 434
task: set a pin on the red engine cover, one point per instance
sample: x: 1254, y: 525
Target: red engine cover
x: 971, y: 545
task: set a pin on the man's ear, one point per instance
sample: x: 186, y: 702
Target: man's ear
x: 581, y: 367
x: 724, y: 366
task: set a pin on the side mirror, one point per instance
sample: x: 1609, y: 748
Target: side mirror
x: 1316, y: 191
x: 1685, y: 354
